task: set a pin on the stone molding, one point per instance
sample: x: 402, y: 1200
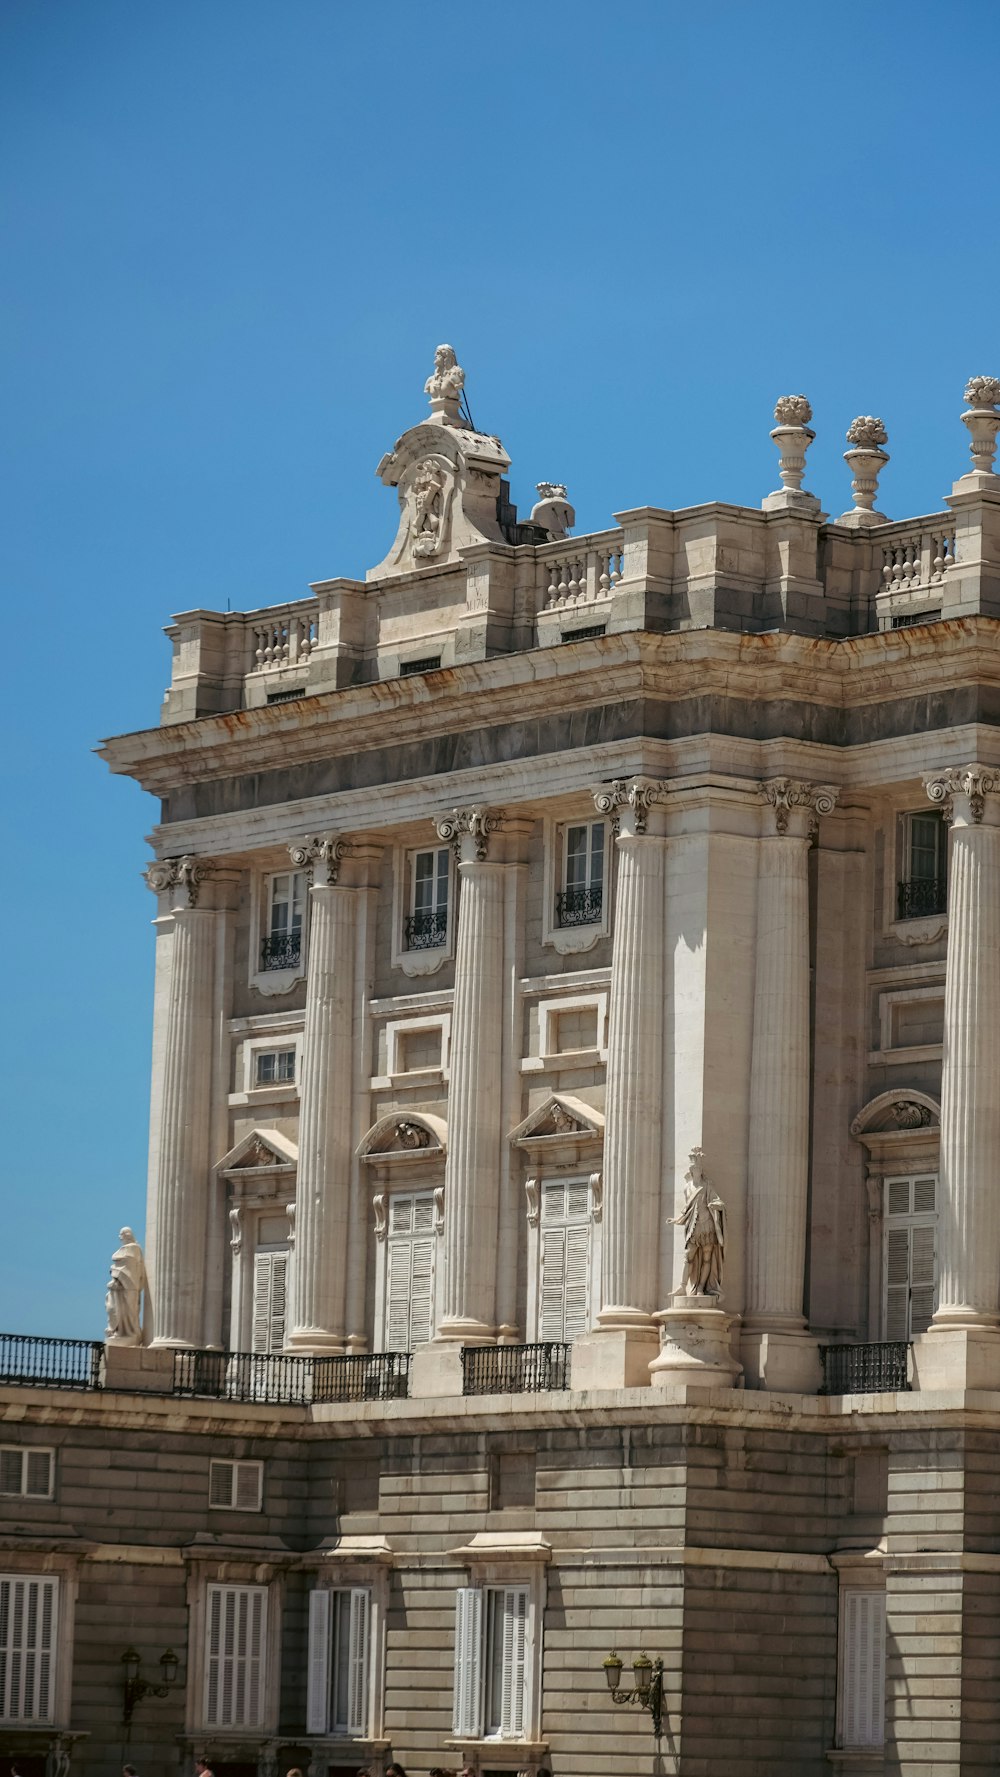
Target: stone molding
x: 475, y: 823
x: 782, y: 794
x: 636, y: 793
x: 320, y: 855
x: 185, y: 875
x: 974, y: 782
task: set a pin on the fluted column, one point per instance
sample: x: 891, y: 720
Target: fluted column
x: 180, y: 1204
x: 322, y: 1191
x: 777, y: 1351
x: 472, y: 1167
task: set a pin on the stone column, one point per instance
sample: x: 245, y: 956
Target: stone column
x: 180, y: 1216
x: 618, y: 1353
x: 778, y: 1353
x: 322, y: 1190
x: 962, y: 1348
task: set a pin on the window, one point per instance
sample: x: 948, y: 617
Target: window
x: 410, y: 1267
x: 909, y: 1270
x: 427, y: 925
x: 235, y: 1646
x: 924, y: 889
x: 418, y: 1049
x: 270, y: 1298
x: 575, y: 1030
x: 491, y: 1662
x: 286, y: 897
x: 340, y: 1634
x: 29, y: 1473
x: 274, y: 1067
x: 236, y: 1486
x: 581, y: 898
x: 28, y: 1609
x: 565, y: 1282
x: 428, y: 663
x: 861, y: 1679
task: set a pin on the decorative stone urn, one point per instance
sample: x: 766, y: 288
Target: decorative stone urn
x: 983, y: 421
x: 793, y: 436
x: 866, y: 460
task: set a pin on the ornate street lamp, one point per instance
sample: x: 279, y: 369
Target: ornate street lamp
x: 137, y: 1687
x: 647, y: 1689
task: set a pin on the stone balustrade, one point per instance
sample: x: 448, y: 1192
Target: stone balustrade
x: 579, y: 572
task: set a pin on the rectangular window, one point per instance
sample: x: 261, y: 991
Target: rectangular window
x: 275, y: 1067
x: 581, y: 898
x: 924, y: 888
x: 340, y: 1632
x: 235, y: 1647
x: 286, y: 900
x: 491, y: 1670
x: 427, y: 924
x: 411, y: 1245
x: 28, y: 1609
x: 564, y: 1310
x: 270, y: 1299
x: 909, y: 1262
x: 29, y: 1473
x: 861, y: 1681
x: 236, y: 1486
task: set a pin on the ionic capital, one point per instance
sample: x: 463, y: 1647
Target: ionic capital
x: 468, y: 831
x: 637, y: 794
x: 320, y: 855
x: 783, y: 794
x: 183, y: 875
x: 972, y: 783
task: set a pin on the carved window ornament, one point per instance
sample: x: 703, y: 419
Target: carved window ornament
x: 973, y: 782
x: 259, y: 1151
x: 184, y: 875
x: 475, y: 823
x: 414, y: 1136
x: 895, y: 1113
x: 783, y: 794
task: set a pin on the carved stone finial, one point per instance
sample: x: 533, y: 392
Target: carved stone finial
x: 866, y: 461
x: 793, y: 436
x: 444, y: 387
x: 185, y: 875
x: 983, y: 421
x: 793, y: 410
x: 552, y: 510
x: 475, y: 823
x: 637, y: 794
x: 320, y: 855
x: 974, y: 782
x: 785, y: 793
x: 867, y: 432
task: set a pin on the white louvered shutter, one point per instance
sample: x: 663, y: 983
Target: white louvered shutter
x: 11, y: 1462
x: 862, y: 1674
x: 38, y: 1481
x: 360, y: 1640
x: 318, y: 1686
x: 897, y: 1283
x: 28, y: 1609
x: 467, y: 1720
x: 550, y: 1320
x: 270, y: 1294
x: 921, y: 1278
x: 220, y: 1484
x: 412, y: 1246
x: 577, y: 1314
x: 234, y: 1656
x: 515, y: 1640
x: 565, y: 1282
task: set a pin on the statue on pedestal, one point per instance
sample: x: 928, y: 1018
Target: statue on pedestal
x: 123, y: 1298
x: 704, y: 1221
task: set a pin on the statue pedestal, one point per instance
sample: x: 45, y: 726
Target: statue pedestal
x: 696, y: 1344
x: 144, y: 1369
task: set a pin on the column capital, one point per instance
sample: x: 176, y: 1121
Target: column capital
x: 970, y: 784
x: 321, y: 855
x: 184, y: 875
x: 468, y: 831
x: 783, y: 794
x: 634, y: 794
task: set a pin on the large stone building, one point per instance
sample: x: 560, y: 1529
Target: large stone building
x: 502, y: 898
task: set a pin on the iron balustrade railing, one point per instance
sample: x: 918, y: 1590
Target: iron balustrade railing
x: 291, y: 1381
x: 281, y: 950
x: 866, y: 1369
x: 514, y: 1369
x: 920, y: 896
x: 579, y: 906
x: 32, y: 1362
x: 427, y: 929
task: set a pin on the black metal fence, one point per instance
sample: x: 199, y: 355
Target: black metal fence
x: 50, y: 1363
x: 514, y: 1369
x: 921, y: 896
x: 426, y: 929
x: 281, y: 950
x: 865, y: 1369
x: 579, y: 906
x: 286, y: 1381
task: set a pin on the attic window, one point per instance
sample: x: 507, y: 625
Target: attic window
x: 286, y: 696
x: 428, y: 664
x: 909, y: 618
x: 584, y: 635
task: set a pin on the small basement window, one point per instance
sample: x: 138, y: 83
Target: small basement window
x: 286, y: 696
x: 429, y: 664
x: 584, y: 635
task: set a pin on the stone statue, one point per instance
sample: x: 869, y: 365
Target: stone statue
x: 704, y: 1221
x: 124, y: 1293
x: 444, y: 386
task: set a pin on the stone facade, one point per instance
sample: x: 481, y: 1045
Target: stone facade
x: 494, y: 894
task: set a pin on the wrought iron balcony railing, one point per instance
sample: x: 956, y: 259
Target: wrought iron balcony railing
x: 50, y: 1363
x: 866, y: 1369
x: 427, y: 929
x: 921, y: 896
x: 514, y: 1369
x: 290, y: 1381
x: 281, y: 950
x: 579, y: 906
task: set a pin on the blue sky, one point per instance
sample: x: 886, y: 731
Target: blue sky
x: 234, y: 233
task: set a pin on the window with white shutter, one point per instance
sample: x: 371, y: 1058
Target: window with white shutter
x: 28, y: 1473
x: 909, y: 1261
x: 410, y: 1260
x: 339, y: 1667
x: 565, y: 1259
x: 235, y: 1651
x: 491, y: 1662
x: 467, y: 1717
x: 861, y: 1681
x: 28, y: 1611
x: 236, y: 1486
x: 270, y: 1296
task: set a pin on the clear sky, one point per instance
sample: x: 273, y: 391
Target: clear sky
x: 234, y: 232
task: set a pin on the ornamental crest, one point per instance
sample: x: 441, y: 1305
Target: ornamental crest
x: 426, y: 496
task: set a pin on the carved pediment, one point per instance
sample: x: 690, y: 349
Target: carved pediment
x: 405, y: 1133
x: 261, y: 1150
x: 560, y: 1117
x: 897, y: 1112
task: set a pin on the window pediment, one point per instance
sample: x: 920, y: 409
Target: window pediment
x: 260, y: 1150
x: 560, y: 1123
x: 405, y: 1135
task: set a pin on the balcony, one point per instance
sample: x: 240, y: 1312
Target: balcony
x: 278, y: 1380
x: 866, y: 1369
x: 281, y: 950
x: 50, y: 1363
x: 921, y: 896
x: 426, y: 929
x: 514, y: 1369
x: 580, y: 906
